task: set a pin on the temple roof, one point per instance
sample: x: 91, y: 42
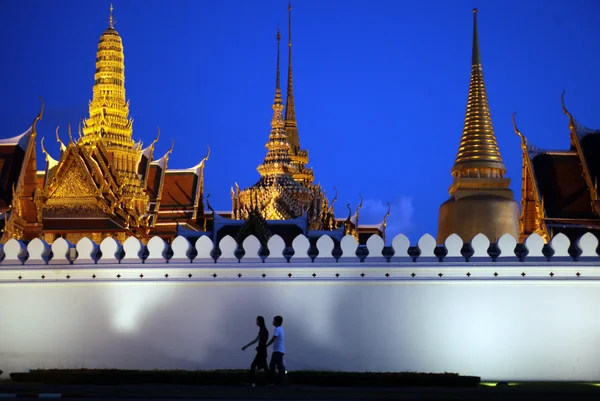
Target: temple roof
x: 19, y: 140
x: 179, y: 189
x: 12, y: 154
x: 562, y: 185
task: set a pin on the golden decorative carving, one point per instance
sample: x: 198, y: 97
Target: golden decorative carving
x: 121, y: 237
x: 74, y: 210
x: 73, y: 185
x: 49, y: 237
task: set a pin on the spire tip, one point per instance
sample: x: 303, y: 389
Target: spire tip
x: 474, y: 11
x: 111, y: 21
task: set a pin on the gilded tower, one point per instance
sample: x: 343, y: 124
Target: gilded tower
x: 109, y: 121
x: 480, y: 198
x: 277, y: 196
x: 285, y: 189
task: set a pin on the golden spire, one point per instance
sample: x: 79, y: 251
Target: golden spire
x: 111, y: 21
x: 290, y: 109
x: 478, y: 154
x: 302, y: 174
x: 277, y: 161
x: 277, y: 75
x: 109, y: 110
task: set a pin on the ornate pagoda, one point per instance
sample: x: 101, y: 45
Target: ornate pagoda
x: 560, y: 187
x: 285, y: 200
x: 103, y: 184
x: 480, y: 198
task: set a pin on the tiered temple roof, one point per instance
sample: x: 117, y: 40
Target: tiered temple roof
x: 103, y: 184
x: 560, y: 187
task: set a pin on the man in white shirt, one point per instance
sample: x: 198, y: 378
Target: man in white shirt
x: 278, y: 349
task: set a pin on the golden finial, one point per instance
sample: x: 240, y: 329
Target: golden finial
x: 37, y: 118
x: 157, y: 136
x: 62, y: 145
x: 386, y: 215
x: 208, y: 206
x: 361, y: 203
x: 207, y: 155
x: 70, y: 135
x: 43, y: 148
x: 172, y: 146
x: 523, y: 140
x: 384, y: 223
x: 335, y: 197
x: 566, y: 112
x: 111, y: 21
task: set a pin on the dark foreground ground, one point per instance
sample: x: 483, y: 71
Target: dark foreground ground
x: 525, y: 391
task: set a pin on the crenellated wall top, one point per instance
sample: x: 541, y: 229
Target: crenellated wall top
x: 325, y: 250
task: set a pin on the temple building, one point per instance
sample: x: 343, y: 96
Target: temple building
x: 103, y: 184
x: 480, y: 198
x: 560, y: 187
x: 106, y: 184
x: 285, y: 200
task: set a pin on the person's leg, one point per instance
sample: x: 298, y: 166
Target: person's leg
x: 253, y: 366
x: 281, y: 368
x: 263, y: 364
x: 272, y: 366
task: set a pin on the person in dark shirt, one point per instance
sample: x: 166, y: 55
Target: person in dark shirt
x: 260, y: 360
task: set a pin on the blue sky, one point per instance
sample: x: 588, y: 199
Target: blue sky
x: 381, y: 86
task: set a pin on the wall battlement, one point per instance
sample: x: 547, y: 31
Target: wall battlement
x: 38, y: 253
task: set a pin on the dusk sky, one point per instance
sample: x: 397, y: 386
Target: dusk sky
x: 380, y: 85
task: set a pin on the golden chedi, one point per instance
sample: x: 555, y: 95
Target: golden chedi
x: 480, y: 198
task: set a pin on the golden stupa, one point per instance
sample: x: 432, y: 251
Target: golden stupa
x: 480, y: 198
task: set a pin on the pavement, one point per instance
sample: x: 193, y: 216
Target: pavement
x: 553, y: 391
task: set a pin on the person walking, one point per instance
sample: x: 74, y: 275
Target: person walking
x: 260, y: 360
x: 278, y: 351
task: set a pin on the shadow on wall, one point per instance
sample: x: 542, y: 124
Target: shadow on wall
x: 183, y: 327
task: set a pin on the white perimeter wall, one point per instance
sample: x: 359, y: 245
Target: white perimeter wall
x: 517, y: 328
